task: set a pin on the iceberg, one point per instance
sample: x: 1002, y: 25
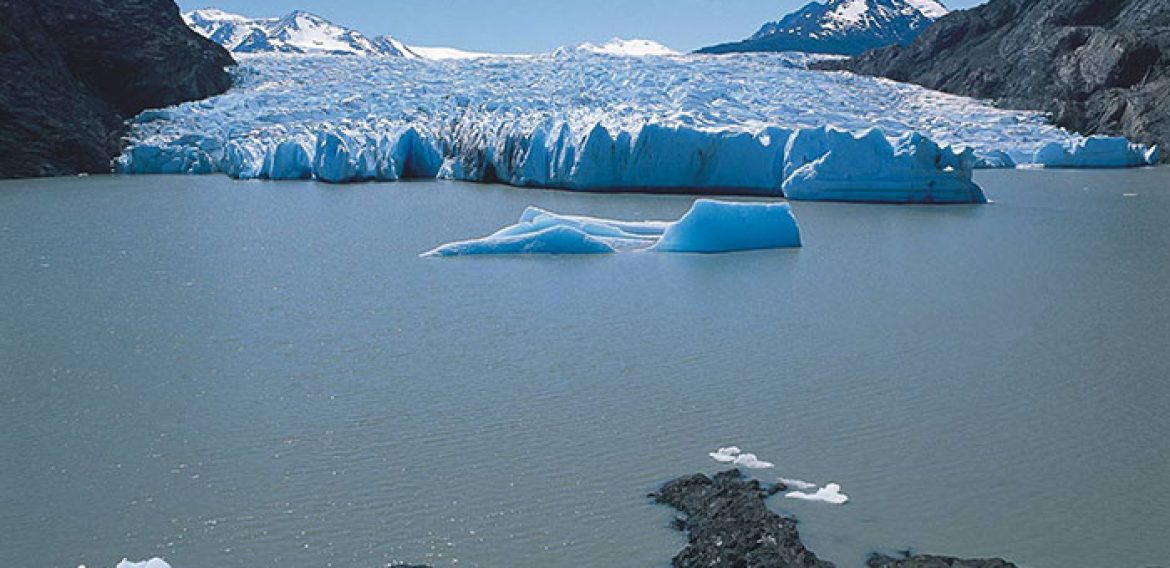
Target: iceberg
x: 830, y: 493
x: 1095, y: 152
x: 708, y: 227
x: 832, y: 165
x: 718, y: 226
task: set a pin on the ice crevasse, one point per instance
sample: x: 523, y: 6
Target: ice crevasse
x: 709, y: 226
x: 824, y: 163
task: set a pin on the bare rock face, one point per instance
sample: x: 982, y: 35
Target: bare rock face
x: 74, y: 70
x: 1098, y: 66
x: 729, y: 524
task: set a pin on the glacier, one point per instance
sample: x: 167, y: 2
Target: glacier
x: 709, y: 226
x: 751, y: 124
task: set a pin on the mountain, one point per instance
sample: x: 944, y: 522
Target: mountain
x: 75, y: 70
x: 1097, y: 66
x: 841, y: 27
x: 297, y: 32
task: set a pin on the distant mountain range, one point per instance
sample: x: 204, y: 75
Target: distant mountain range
x: 297, y: 32
x: 306, y: 33
x: 841, y: 27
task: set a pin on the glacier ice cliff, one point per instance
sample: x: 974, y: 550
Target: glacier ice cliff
x: 708, y: 227
x: 758, y: 124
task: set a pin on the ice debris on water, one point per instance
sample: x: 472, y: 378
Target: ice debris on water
x: 798, y: 483
x: 733, y: 455
x: 830, y: 493
x: 709, y: 226
x: 152, y: 563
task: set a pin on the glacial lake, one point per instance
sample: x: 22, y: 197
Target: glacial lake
x: 239, y: 374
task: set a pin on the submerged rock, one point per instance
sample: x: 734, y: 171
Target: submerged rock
x: 74, y: 70
x: 729, y: 524
x: 928, y: 561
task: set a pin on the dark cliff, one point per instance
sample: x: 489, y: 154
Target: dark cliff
x: 1098, y: 66
x: 72, y: 72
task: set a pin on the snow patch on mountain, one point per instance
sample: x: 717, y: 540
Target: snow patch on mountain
x: 628, y: 48
x: 297, y: 32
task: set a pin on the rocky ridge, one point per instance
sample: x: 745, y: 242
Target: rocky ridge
x: 1098, y: 66
x: 74, y: 70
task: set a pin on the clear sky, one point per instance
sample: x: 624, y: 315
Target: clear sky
x: 536, y: 25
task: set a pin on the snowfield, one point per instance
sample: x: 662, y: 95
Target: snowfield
x: 755, y: 123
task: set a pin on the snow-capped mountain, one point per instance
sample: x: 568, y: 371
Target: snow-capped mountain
x: 843, y: 27
x: 628, y: 48
x: 297, y: 32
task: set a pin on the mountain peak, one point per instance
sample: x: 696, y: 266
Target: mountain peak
x: 843, y: 27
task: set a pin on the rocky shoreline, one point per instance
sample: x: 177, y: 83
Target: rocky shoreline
x: 1097, y: 67
x: 75, y: 70
x: 728, y: 523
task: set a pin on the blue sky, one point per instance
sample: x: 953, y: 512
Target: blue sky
x: 536, y: 25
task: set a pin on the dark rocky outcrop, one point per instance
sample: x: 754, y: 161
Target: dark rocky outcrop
x: 927, y: 561
x: 74, y: 70
x: 1098, y: 66
x: 729, y: 524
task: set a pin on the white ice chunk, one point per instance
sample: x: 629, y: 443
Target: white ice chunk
x: 798, y: 483
x: 725, y: 455
x: 750, y: 461
x: 733, y: 455
x: 830, y: 493
x: 152, y: 563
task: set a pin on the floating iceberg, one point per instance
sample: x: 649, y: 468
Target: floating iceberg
x: 1095, y: 152
x: 831, y: 165
x: 830, y: 493
x: 719, y: 226
x: 758, y: 124
x: 708, y: 227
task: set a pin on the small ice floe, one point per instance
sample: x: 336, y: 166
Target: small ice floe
x: 830, y: 493
x: 735, y: 456
x: 152, y: 563
x: 725, y: 455
x: 798, y: 483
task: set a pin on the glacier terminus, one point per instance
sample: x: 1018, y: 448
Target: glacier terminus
x: 627, y: 116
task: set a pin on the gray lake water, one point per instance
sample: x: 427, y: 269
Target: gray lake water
x: 233, y: 374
